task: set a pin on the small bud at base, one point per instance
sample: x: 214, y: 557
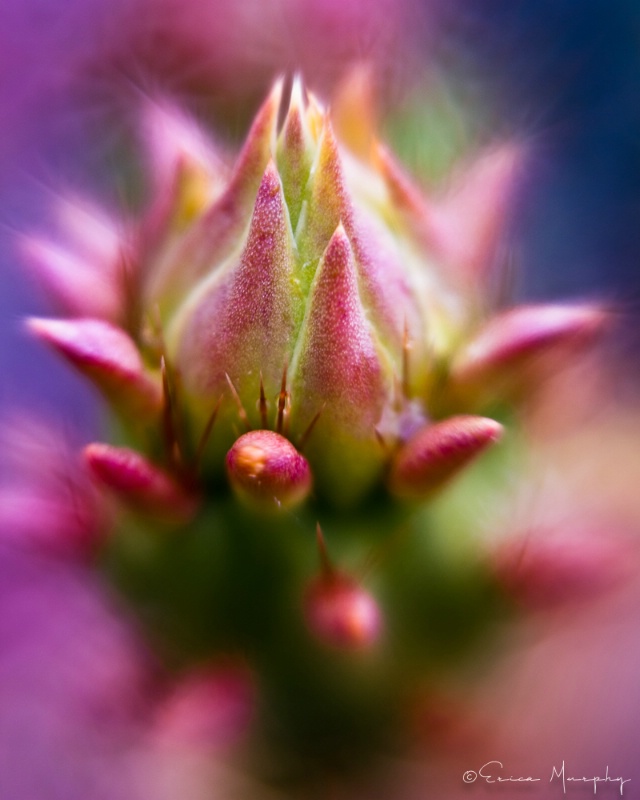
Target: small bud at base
x: 267, y: 469
x: 341, y: 613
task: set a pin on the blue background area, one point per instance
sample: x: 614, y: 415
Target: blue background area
x: 568, y: 73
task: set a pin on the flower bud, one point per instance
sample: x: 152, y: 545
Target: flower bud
x: 341, y: 613
x: 267, y: 469
x: 438, y: 452
x: 316, y: 288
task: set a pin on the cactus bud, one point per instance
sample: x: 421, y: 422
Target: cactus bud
x: 338, y: 611
x: 267, y: 469
x: 337, y: 307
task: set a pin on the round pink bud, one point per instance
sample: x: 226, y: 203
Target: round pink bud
x: 341, y: 613
x: 267, y: 469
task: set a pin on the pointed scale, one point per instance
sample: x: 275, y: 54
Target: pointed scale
x: 405, y: 198
x: 328, y: 203
x: 217, y: 234
x: 187, y: 172
x: 244, y: 324
x: 182, y: 156
x: 108, y: 356
x: 295, y: 153
x: 461, y: 229
x: 355, y: 112
x: 77, y: 285
x: 499, y: 357
x: 84, y: 274
x: 387, y: 288
x: 338, y: 369
x: 469, y: 221
x: 138, y: 483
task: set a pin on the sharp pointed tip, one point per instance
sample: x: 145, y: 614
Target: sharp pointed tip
x: 338, y: 251
x: 270, y: 179
x: 298, y: 92
x: 278, y: 85
x: 320, y: 540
